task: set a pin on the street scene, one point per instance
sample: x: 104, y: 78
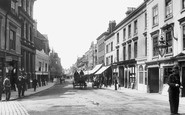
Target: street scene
x: 95, y: 57
x: 66, y: 100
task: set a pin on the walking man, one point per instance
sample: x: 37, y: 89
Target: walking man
x: 19, y: 85
x: 7, y: 86
x: 174, y: 90
x: 34, y: 84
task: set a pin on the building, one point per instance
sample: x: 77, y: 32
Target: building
x: 165, y: 23
x: 41, y: 58
x: 10, y: 38
x: 27, y: 38
x: 101, y: 48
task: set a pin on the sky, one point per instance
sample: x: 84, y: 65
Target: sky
x: 72, y: 25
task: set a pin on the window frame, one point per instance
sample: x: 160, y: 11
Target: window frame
x: 154, y: 47
x: 12, y: 39
x: 129, y: 31
x: 135, y: 27
x: 168, y: 9
x: 135, y: 49
x: 155, y: 17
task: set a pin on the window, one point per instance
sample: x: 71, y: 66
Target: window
x: 0, y: 28
x: 155, y: 44
x: 111, y: 46
x: 124, y: 34
x: 145, y: 46
x: 46, y: 66
x: 129, y: 51
x: 167, y: 72
x: 145, y: 20
x: 146, y: 80
x: 168, y: 7
x: 183, y: 4
x: 117, y: 38
x: 129, y: 31
x: 135, y: 49
x: 155, y: 15
x: 12, y: 39
x: 169, y: 41
x: 183, y: 31
x: 117, y: 55
x: 111, y: 59
x: 124, y: 53
x: 141, y: 74
x: 40, y: 65
x: 135, y: 27
x: 107, y: 48
x: 13, y: 4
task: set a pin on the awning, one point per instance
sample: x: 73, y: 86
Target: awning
x: 102, y: 70
x: 95, y: 69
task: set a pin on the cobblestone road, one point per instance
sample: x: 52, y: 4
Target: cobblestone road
x: 12, y: 108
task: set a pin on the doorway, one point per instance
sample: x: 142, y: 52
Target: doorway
x: 153, y: 80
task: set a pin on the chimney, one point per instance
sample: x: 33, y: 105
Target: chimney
x: 129, y: 10
x: 112, y: 25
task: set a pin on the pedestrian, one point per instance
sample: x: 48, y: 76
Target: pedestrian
x: 1, y: 87
x: 174, y: 90
x: 23, y: 85
x: 19, y: 85
x: 34, y: 84
x: 7, y: 88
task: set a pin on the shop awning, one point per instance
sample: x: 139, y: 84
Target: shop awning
x: 95, y: 69
x: 102, y: 70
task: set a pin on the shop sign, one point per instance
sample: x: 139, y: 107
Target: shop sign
x: 8, y: 58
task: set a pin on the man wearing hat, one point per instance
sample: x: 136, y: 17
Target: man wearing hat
x: 174, y: 90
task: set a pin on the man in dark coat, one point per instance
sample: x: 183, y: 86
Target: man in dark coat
x: 23, y: 85
x: 7, y: 87
x: 34, y: 84
x: 174, y: 85
x: 19, y: 85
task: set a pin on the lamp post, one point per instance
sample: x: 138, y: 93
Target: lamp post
x: 162, y: 46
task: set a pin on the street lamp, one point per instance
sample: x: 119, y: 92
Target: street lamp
x: 162, y: 46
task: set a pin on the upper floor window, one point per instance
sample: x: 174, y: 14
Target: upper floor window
x: 135, y: 27
x: 155, y: 15
x: 129, y: 30
x: 111, y: 59
x: 40, y: 65
x: 124, y: 33
x: 183, y: 32
x: 169, y: 40
x: 183, y: 4
x: 155, y: 45
x: 124, y: 53
x: 129, y: 51
x: 13, y: 4
x: 117, y: 38
x: 12, y: 35
x: 145, y: 20
x: 111, y: 46
x: 145, y: 46
x: 135, y: 49
x: 117, y: 55
x: 168, y: 8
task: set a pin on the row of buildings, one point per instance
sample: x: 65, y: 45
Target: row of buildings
x: 23, y: 49
x: 144, y: 46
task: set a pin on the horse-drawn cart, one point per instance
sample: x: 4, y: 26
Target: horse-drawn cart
x: 79, y: 80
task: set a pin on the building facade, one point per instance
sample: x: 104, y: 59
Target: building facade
x: 27, y: 38
x: 10, y: 37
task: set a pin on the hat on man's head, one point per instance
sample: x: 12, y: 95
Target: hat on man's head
x: 175, y: 67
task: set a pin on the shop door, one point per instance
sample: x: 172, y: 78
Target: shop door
x: 153, y: 80
x: 183, y: 81
x: 121, y: 75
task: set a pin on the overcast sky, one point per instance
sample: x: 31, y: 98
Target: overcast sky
x: 71, y: 25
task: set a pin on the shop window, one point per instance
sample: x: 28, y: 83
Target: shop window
x: 167, y: 72
x: 141, y: 74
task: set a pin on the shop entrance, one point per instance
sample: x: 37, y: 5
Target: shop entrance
x: 153, y: 80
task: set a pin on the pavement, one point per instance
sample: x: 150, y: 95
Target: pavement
x: 13, y: 107
x: 156, y: 96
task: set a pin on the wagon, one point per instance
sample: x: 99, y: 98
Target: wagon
x: 79, y: 80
